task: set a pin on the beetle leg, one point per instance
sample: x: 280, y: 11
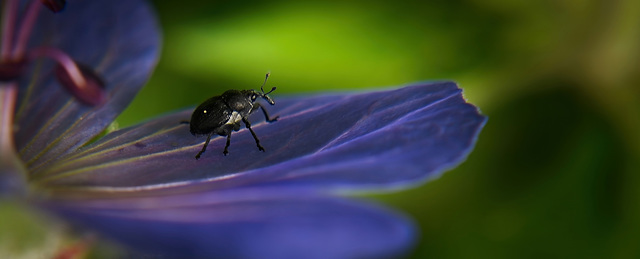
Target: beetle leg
x: 248, y: 125
x: 185, y: 122
x: 264, y: 111
x: 226, y: 151
x: 204, y: 148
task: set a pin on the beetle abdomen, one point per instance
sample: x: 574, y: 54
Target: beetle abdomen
x: 209, y: 116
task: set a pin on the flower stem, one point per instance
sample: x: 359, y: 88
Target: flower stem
x: 12, y: 171
x: 8, y: 94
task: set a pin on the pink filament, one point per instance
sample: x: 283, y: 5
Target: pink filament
x: 64, y: 60
x: 25, y: 29
x: 8, y: 23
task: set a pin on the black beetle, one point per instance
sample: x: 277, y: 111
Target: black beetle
x: 222, y: 114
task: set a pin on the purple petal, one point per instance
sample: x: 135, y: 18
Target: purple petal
x: 379, y: 139
x: 249, y: 224
x: 119, y: 40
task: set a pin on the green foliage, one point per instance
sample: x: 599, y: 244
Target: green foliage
x: 23, y: 234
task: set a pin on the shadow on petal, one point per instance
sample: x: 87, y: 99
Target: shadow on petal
x: 246, y: 224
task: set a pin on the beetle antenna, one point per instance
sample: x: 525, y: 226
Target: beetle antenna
x: 265, y: 82
x: 272, y: 89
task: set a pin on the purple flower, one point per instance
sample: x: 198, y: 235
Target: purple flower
x: 142, y: 187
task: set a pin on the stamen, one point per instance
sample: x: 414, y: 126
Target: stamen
x: 25, y: 29
x: 81, y: 81
x: 92, y: 93
x: 64, y: 60
x: 8, y: 25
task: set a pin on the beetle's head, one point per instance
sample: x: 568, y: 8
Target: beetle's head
x: 255, y: 94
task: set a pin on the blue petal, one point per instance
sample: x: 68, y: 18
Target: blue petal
x: 248, y: 224
x: 118, y: 39
x: 379, y: 139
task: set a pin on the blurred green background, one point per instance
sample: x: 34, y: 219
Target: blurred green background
x: 555, y: 173
x: 556, y: 170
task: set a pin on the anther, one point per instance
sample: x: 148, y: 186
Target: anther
x: 54, y: 5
